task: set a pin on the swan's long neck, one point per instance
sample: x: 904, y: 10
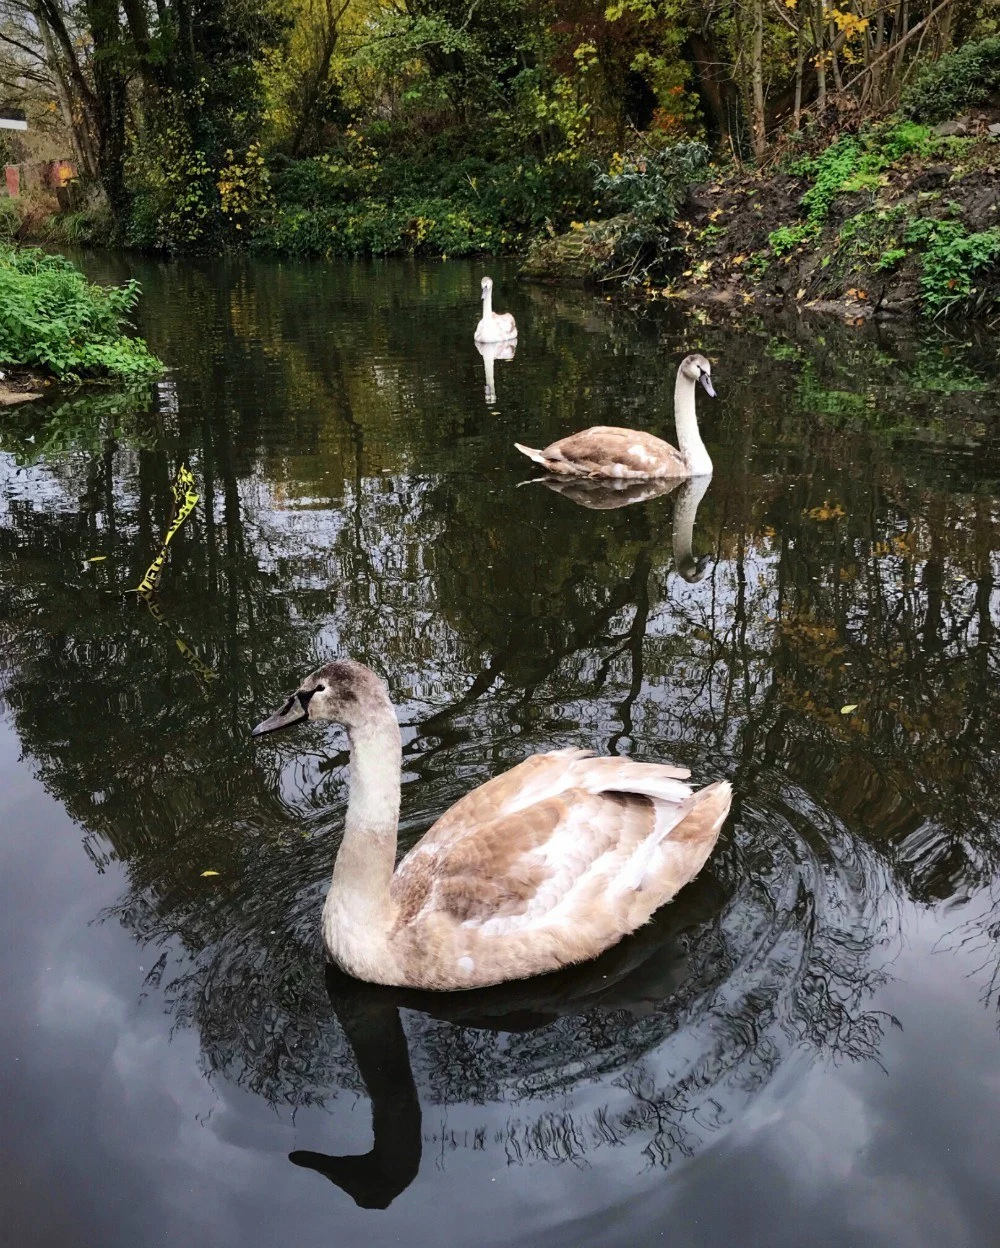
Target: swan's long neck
x: 487, y: 303
x: 689, y: 441
x: 358, y: 905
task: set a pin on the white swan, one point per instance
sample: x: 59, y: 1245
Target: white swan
x: 629, y: 454
x: 494, y: 326
x: 546, y: 865
x: 491, y: 352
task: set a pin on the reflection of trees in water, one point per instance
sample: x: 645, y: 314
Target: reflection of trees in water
x: 505, y: 627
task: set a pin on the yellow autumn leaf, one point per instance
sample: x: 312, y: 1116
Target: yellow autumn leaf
x: 96, y: 558
x: 204, y: 873
x: 846, y: 710
x: 739, y: 259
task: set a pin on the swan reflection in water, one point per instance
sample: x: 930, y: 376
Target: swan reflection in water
x: 491, y: 352
x: 602, y: 494
x: 639, y: 976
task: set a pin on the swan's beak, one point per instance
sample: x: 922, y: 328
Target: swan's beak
x: 294, y: 711
x: 706, y: 381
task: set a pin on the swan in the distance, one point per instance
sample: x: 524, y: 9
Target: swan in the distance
x: 543, y: 866
x: 491, y: 352
x: 629, y: 454
x: 494, y: 326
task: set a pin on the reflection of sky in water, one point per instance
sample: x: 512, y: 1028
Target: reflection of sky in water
x: 803, y: 1031
x: 189, y: 1159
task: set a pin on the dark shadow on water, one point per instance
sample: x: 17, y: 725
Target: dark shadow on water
x: 630, y: 977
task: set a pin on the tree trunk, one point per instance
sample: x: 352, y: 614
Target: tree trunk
x: 713, y: 96
x: 758, y: 114
x: 818, y: 27
x: 800, y: 60
x: 109, y: 93
x: 72, y: 110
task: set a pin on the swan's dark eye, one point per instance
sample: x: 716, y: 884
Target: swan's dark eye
x: 319, y: 689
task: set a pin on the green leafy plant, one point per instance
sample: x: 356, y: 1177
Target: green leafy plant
x: 888, y: 260
x: 787, y: 237
x: 958, y: 80
x: 647, y: 188
x: 852, y: 163
x: 54, y: 320
x: 952, y: 260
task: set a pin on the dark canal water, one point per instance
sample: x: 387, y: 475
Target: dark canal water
x: 802, y: 1050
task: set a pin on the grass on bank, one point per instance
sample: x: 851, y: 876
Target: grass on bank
x: 53, y: 321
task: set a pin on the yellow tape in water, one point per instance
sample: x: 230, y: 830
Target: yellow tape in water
x: 185, y: 501
x: 202, y: 672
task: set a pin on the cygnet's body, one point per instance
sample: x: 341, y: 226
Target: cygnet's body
x: 546, y: 865
x: 630, y: 454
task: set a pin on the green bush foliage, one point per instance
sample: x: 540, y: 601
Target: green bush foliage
x: 952, y: 260
x: 852, y: 163
x: 377, y: 195
x: 959, y: 80
x: 646, y: 188
x: 650, y: 185
x: 10, y: 220
x: 54, y: 320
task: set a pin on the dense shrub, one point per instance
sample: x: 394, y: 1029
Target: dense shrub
x: 452, y: 194
x: 645, y: 190
x: 53, y: 319
x: 959, y: 80
x: 10, y: 220
x: 651, y: 185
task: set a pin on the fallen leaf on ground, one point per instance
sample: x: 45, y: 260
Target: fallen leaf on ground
x: 846, y: 710
x: 204, y: 873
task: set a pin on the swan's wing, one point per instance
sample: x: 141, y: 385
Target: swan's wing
x: 573, y: 857
x: 519, y: 862
x: 547, y: 775
x: 606, y: 450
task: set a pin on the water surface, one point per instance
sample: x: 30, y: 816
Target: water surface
x: 802, y: 1049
